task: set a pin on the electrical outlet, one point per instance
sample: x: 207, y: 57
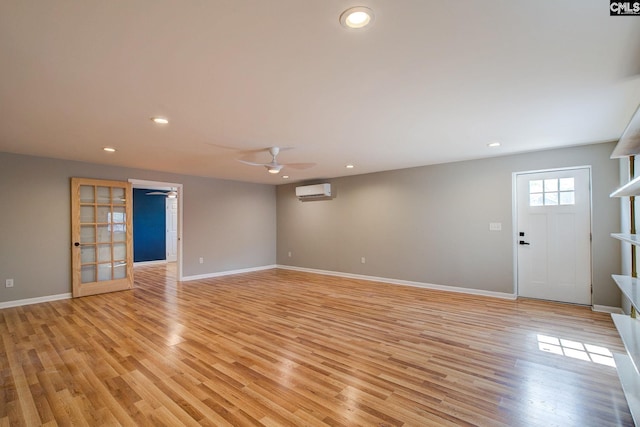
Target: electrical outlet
x: 363, y: 260
x: 289, y: 254
x: 201, y: 260
x: 9, y: 283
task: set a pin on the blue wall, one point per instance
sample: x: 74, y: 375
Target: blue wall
x: 149, y: 226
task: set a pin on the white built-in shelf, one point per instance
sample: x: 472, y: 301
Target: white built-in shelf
x: 629, y: 330
x: 630, y: 384
x: 630, y: 288
x: 634, y: 239
x: 629, y: 143
x: 631, y: 188
x: 628, y: 365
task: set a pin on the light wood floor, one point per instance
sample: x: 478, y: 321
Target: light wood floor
x: 283, y: 348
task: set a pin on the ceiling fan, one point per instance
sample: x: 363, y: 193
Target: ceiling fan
x: 273, y: 166
x: 169, y: 194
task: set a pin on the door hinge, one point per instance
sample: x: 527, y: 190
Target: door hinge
x: 590, y: 237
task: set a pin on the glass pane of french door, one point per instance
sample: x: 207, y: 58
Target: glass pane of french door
x: 101, y: 236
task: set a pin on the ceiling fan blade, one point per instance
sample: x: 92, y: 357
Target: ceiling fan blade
x: 172, y: 194
x: 252, y: 163
x: 265, y: 150
x: 247, y: 151
x: 299, y: 165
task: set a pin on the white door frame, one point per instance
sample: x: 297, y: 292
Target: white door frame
x: 159, y: 185
x: 514, y: 219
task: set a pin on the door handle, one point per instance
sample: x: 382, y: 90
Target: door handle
x: 522, y: 242
x: 76, y: 244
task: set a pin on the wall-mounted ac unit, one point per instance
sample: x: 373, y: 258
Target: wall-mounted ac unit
x: 315, y: 191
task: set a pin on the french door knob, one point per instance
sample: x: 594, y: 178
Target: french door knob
x: 76, y: 244
x: 522, y: 242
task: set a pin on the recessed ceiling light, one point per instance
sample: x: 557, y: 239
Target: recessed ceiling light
x: 109, y: 149
x: 356, y: 17
x: 160, y: 120
x: 493, y: 144
x: 285, y: 176
x: 349, y: 166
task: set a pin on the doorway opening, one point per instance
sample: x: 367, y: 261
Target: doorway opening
x: 161, y: 242
x: 552, y: 217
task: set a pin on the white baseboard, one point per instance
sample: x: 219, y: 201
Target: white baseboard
x: 158, y: 262
x: 456, y: 289
x: 502, y: 295
x: 607, y: 309
x: 37, y: 300
x: 227, y: 273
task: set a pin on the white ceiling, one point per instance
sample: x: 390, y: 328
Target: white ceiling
x: 431, y: 81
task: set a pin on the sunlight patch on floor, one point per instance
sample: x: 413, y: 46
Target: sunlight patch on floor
x: 576, y: 350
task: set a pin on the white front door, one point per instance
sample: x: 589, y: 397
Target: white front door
x: 172, y: 229
x: 554, y: 235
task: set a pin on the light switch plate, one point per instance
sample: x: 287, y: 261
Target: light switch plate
x: 495, y: 226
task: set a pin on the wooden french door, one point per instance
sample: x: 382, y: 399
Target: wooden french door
x: 101, y: 236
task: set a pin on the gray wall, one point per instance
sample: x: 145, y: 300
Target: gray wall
x: 230, y: 224
x: 430, y: 224
x: 427, y: 224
